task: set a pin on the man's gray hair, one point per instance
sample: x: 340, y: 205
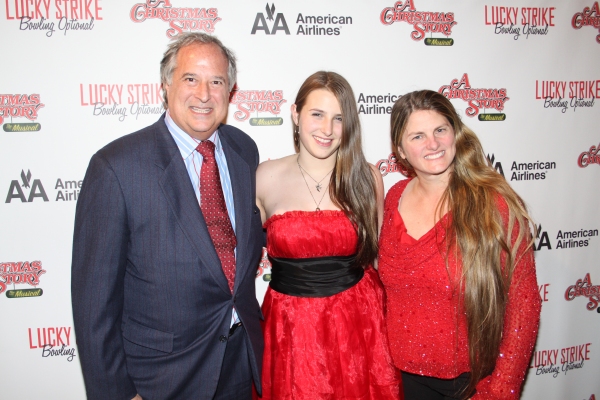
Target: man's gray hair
x: 169, y: 61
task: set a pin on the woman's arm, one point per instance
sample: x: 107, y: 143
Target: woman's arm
x: 521, y: 321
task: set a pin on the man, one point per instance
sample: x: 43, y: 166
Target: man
x: 166, y: 245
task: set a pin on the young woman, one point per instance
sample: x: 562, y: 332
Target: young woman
x: 324, y: 328
x: 456, y: 261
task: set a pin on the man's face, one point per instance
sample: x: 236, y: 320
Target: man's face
x: 198, y: 96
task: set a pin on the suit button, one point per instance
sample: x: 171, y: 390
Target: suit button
x: 222, y: 338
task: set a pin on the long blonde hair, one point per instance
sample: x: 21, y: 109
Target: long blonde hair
x: 351, y: 186
x: 477, y: 229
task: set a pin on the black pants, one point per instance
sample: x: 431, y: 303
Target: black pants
x: 417, y: 387
x: 235, y: 382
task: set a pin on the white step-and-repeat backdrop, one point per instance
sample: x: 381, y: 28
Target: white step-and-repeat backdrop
x: 77, y: 74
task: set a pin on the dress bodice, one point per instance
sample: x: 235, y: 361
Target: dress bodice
x: 305, y: 234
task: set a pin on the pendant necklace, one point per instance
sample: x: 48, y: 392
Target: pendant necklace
x: 318, y: 184
x: 302, y: 171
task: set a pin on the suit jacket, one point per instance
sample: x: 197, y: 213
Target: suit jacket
x: 151, y: 304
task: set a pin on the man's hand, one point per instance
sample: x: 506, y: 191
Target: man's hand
x: 137, y: 397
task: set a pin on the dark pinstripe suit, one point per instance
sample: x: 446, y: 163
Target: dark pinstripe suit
x: 151, y: 304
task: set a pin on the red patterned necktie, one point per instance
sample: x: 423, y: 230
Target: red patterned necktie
x: 212, y: 204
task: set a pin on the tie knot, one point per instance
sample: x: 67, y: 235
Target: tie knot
x: 206, y: 148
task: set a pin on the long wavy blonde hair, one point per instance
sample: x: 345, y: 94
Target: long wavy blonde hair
x: 352, y: 185
x: 477, y: 231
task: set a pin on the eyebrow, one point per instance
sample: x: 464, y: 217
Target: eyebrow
x: 414, y: 133
x: 322, y: 111
x: 421, y: 132
x: 193, y: 75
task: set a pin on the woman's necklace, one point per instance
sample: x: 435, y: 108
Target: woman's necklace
x: 318, y: 185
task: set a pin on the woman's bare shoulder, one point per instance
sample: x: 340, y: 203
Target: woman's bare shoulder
x: 274, y: 169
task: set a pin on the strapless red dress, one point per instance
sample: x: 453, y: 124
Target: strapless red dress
x: 333, y: 347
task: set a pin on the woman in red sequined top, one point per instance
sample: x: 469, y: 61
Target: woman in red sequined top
x: 456, y: 260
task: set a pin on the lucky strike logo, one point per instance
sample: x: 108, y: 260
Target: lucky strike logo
x: 589, y: 157
x: 588, y: 17
x: 555, y: 361
x: 38, y: 15
x: 423, y: 22
x: 21, y: 273
x: 388, y: 165
x: 264, y: 267
x: 585, y: 288
x: 108, y: 99
x: 180, y: 19
x: 567, y: 94
x: 250, y: 102
x: 477, y: 99
x: 517, y: 21
x: 20, y: 106
x: 49, y: 339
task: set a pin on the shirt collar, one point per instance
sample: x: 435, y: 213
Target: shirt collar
x: 185, y: 143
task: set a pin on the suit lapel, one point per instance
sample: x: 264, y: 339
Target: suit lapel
x: 182, y: 201
x: 240, y: 175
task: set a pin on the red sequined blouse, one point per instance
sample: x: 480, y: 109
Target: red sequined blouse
x: 427, y: 333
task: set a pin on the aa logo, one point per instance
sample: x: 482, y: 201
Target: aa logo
x: 260, y: 23
x: 18, y: 189
x: 496, y: 165
x: 542, y: 239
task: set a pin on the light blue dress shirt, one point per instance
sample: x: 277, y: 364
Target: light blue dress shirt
x: 193, y: 163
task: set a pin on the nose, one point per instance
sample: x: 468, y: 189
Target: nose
x: 202, y: 92
x: 432, y: 142
x: 327, y: 127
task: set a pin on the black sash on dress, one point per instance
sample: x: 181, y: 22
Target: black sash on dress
x: 314, y: 277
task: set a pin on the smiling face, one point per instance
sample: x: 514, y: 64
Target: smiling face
x: 198, y: 95
x: 319, y: 123
x: 428, y: 144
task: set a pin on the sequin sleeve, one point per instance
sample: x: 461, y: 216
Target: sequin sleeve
x: 521, y: 321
